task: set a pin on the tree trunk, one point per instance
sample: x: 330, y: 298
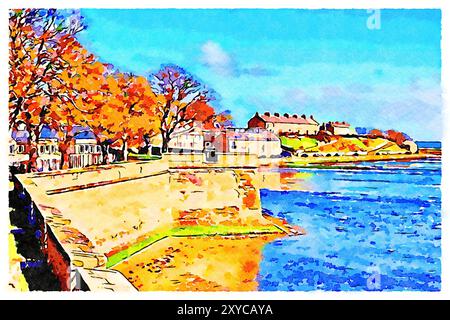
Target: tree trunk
x: 147, y: 148
x: 165, y: 141
x: 32, y: 163
x: 64, y: 146
x: 32, y: 150
x: 105, y: 152
x: 164, y: 146
x: 125, y: 150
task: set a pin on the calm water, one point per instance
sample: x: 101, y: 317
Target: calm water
x: 373, y: 229
x: 429, y: 144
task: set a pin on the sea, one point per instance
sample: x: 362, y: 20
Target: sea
x: 371, y: 226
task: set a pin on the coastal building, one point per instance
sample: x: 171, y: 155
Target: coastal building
x: 47, y: 154
x: 254, y: 141
x: 49, y: 157
x: 257, y: 141
x: 339, y: 128
x: 187, y: 140
x: 19, y: 148
x: 86, y: 151
x: 301, y: 125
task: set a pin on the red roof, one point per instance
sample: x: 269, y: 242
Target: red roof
x: 289, y: 119
x: 340, y: 124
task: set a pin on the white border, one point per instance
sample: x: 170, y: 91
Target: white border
x: 342, y: 4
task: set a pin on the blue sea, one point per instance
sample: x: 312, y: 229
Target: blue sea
x: 429, y: 144
x: 375, y: 226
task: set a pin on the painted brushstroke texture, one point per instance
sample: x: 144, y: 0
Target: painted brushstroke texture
x: 224, y: 150
x: 326, y: 61
x: 385, y: 219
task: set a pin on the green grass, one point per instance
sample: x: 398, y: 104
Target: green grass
x: 138, y: 156
x: 189, y: 231
x: 298, y: 143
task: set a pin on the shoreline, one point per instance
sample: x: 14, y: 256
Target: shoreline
x: 294, y: 162
x: 276, y: 226
x: 105, y: 255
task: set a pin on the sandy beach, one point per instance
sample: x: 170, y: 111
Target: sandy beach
x: 197, y: 264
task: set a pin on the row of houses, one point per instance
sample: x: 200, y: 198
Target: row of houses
x: 286, y: 123
x: 300, y: 125
x: 84, y: 152
x: 260, y: 138
x: 257, y: 141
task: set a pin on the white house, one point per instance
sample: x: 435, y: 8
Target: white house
x: 257, y: 141
x: 86, y: 151
x: 187, y: 140
x: 49, y: 157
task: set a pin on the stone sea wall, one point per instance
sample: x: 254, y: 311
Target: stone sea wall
x: 92, y: 214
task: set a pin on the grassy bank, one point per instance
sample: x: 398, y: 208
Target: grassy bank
x: 142, y: 157
x: 190, y: 231
x: 298, y: 143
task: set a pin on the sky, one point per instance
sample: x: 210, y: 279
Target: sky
x: 377, y: 71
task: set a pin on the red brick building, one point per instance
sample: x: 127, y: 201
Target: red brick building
x: 286, y: 123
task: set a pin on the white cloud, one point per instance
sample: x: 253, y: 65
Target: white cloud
x: 221, y: 62
x: 216, y: 58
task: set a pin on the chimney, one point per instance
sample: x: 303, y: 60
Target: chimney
x: 311, y: 117
x: 294, y: 116
x: 286, y: 115
x: 267, y: 113
x: 303, y: 116
x: 276, y: 114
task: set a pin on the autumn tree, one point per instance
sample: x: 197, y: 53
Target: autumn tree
x: 375, y: 133
x: 176, y: 91
x: 38, y: 39
x: 206, y: 114
x: 396, y: 136
x: 127, y: 113
x: 80, y: 91
x: 224, y: 119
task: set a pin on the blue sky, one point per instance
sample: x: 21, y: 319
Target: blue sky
x: 322, y: 62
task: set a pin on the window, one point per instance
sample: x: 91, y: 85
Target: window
x: 99, y: 149
x: 233, y: 145
x: 47, y: 149
x: 21, y: 149
x: 41, y: 149
x: 81, y: 148
x: 11, y: 149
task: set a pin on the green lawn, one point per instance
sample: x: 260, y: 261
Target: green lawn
x: 298, y: 143
x: 189, y: 231
x: 138, y: 156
